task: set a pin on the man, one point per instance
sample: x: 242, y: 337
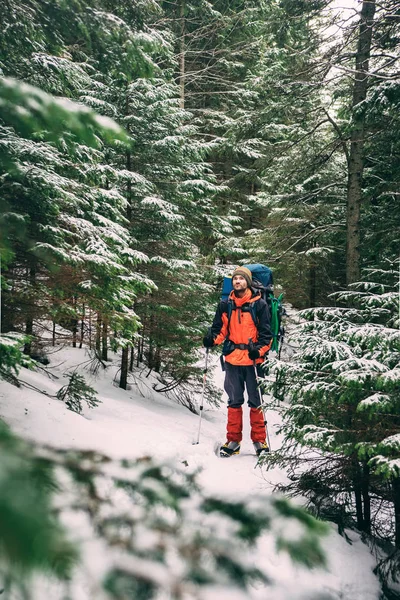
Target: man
x: 243, y: 323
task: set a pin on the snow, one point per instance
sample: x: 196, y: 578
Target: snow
x: 140, y: 422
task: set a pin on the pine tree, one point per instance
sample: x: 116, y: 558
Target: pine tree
x: 75, y: 391
x: 344, y: 404
x: 37, y: 198
x: 84, y: 231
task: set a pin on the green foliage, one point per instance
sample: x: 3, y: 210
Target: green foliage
x: 31, y: 537
x: 303, y: 551
x: 94, y: 216
x: 76, y: 391
x: 30, y: 110
x: 174, y: 537
x: 343, y: 388
x: 170, y: 534
x: 11, y: 357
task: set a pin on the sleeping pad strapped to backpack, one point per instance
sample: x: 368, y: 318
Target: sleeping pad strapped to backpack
x: 263, y: 283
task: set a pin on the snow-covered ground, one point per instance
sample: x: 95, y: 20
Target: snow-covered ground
x: 138, y: 422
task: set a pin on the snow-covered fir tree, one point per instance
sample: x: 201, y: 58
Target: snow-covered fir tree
x: 342, y: 419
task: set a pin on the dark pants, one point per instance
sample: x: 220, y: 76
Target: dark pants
x: 236, y: 378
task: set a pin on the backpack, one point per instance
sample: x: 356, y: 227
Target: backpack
x: 263, y: 283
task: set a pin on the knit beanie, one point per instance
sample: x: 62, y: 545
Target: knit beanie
x: 244, y: 272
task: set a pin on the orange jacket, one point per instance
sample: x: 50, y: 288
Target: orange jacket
x: 241, y: 326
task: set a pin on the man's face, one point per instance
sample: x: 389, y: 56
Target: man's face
x: 239, y: 283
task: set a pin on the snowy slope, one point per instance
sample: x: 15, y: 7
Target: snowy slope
x: 141, y: 422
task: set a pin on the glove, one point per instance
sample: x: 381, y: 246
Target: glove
x: 254, y: 353
x: 208, y: 341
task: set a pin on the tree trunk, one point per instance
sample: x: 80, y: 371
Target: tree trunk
x: 82, y: 325
x: 358, y: 494
x: 359, y: 510
x: 98, y: 333
x: 124, y: 368
x: 157, y: 359
x: 356, y: 158
x: 90, y: 329
x: 74, y: 324
x: 396, y: 502
x: 104, y: 336
x: 366, y: 498
x: 150, y: 360
x: 150, y: 355
x: 139, y: 351
x: 29, y: 332
x: 182, y: 54
x: 132, y: 358
x: 53, y: 339
x: 313, y: 285
x: 129, y: 183
x: 29, y: 318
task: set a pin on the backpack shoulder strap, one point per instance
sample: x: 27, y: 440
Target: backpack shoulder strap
x: 229, y: 310
x: 226, y: 306
x: 255, y: 310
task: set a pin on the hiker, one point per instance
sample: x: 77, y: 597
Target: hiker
x: 234, y: 325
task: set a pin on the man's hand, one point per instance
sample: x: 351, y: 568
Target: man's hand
x: 254, y: 354
x: 208, y: 341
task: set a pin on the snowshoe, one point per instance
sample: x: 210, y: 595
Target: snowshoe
x: 229, y: 448
x: 260, y: 448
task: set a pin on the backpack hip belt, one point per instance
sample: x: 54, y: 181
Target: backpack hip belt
x: 230, y: 346
x: 239, y: 346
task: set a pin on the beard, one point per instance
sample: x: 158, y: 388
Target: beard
x: 241, y: 291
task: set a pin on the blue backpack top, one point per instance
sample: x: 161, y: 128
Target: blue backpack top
x: 262, y: 281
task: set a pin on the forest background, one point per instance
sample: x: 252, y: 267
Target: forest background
x: 263, y: 131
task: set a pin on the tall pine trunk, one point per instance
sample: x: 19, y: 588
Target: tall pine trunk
x: 82, y: 325
x: 29, y: 318
x: 74, y: 323
x: 28, y: 332
x: 361, y: 485
x: 139, y: 356
x: 182, y: 53
x: 357, y: 488
x: 396, y: 503
x: 129, y: 183
x: 157, y: 359
x: 90, y: 328
x: 124, y: 368
x: 365, y: 486
x: 313, y: 285
x: 104, y: 337
x: 356, y: 157
x: 98, y: 334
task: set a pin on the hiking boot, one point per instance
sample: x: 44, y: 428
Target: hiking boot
x: 260, y: 447
x: 229, y: 448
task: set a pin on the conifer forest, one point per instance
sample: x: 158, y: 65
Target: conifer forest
x: 147, y: 147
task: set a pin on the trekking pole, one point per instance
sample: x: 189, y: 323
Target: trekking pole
x: 251, y: 346
x: 202, y: 397
x: 281, y: 335
x: 282, y: 314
